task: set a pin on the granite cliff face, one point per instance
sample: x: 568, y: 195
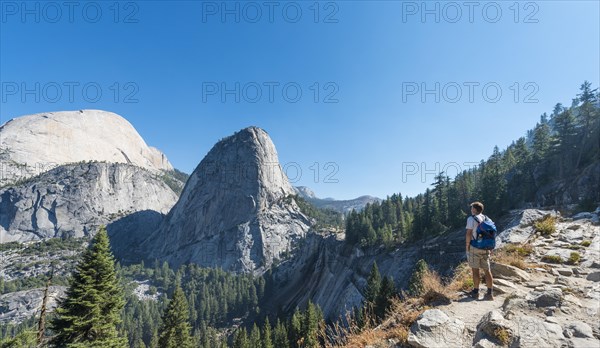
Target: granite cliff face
x: 332, y: 274
x: 73, y: 200
x: 235, y: 211
x: 32, y: 144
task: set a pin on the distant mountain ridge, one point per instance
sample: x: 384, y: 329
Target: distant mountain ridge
x: 341, y: 206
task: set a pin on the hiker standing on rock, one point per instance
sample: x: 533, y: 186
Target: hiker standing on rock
x: 478, y: 258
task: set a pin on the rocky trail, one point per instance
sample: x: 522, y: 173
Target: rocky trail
x: 546, y: 305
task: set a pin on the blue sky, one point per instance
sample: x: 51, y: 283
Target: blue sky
x: 362, y: 117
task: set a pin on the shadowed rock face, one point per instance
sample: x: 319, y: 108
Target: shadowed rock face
x: 73, y: 200
x: 234, y: 211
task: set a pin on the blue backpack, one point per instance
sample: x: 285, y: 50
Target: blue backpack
x: 486, y: 234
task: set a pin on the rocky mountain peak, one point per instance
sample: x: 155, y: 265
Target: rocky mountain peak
x: 32, y: 144
x: 235, y: 211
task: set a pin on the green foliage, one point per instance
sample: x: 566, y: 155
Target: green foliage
x: 313, y: 320
x: 383, y: 302
x: 241, y: 339
x: 373, y: 284
x: 558, y: 148
x: 520, y: 249
x: 10, y: 246
x: 175, y: 329
x: 175, y: 179
x: 280, y: 335
x: 54, y: 245
x: 324, y: 217
x: 551, y: 259
x: 267, y: 336
x: 216, y: 298
x: 27, y: 283
x: 89, y: 314
x: 586, y: 243
x: 24, y: 339
x: 574, y: 258
x: 255, y: 337
x: 502, y: 335
x: 415, y: 286
x: 546, y: 225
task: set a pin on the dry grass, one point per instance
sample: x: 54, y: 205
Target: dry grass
x: 352, y: 335
x: 396, y: 326
x: 521, y: 249
x: 435, y: 291
x: 574, y: 258
x: 546, y: 225
x: 502, y: 335
x: 512, y: 256
x: 545, y: 266
x: 399, y: 333
x: 403, y: 313
x: 552, y: 259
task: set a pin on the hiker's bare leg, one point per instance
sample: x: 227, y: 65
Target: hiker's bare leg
x: 488, y: 279
x: 475, y: 277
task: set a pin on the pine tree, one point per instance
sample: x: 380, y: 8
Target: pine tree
x: 296, y: 328
x: 255, y: 337
x: 415, y: 286
x: 26, y: 338
x: 267, y: 338
x: 384, y: 298
x: 311, y: 326
x: 590, y: 116
x: 373, y: 284
x: 90, y: 313
x: 241, y: 339
x: 541, y: 139
x: 360, y: 316
x: 154, y: 340
x: 280, y: 335
x: 175, y: 329
x: 564, y: 142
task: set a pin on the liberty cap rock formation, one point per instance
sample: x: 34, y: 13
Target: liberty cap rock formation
x: 235, y: 211
x: 32, y: 144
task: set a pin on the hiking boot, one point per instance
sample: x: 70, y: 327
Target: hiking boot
x: 488, y: 296
x: 474, y: 293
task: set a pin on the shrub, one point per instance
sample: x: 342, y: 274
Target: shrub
x: 546, y: 225
x: 574, y: 258
x: 502, y: 335
x: 415, y: 285
x: 462, y: 279
x: 586, y: 243
x: 552, y: 259
x: 514, y: 257
x: 434, y: 290
x: 521, y: 249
